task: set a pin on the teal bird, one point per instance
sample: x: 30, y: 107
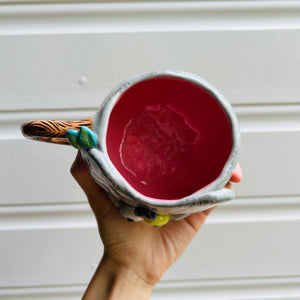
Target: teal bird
x: 85, y: 138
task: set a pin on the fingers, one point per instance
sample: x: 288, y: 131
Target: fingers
x: 229, y: 186
x: 236, y: 174
x: 97, y: 197
x: 208, y: 211
x: 81, y: 175
x: 194, y: 222
x: 199, y: 218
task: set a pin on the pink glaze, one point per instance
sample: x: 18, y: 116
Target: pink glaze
x: 168, y: 137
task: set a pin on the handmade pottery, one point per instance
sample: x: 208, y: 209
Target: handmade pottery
x: 163, y: 145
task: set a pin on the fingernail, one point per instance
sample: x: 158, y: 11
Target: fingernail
x: 239, y: 170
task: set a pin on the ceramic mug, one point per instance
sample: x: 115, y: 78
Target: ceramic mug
x: 163, y: 145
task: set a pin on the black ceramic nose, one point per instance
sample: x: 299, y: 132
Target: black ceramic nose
x: 142, y: 211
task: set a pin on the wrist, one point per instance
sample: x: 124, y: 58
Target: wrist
x: 113, y: 281
x: 125, y: 281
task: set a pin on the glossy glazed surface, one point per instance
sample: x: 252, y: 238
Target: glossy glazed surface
x: 168, y: 137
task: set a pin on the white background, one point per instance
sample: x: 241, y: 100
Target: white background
x: 59, y: 59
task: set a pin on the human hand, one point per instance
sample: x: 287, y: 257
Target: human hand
x: 136, y: 255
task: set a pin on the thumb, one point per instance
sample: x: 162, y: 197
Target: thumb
x: 97, y: 197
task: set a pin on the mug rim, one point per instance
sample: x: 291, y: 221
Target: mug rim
x: 101, y: 121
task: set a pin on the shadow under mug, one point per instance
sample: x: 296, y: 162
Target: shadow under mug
x: 167, y: 143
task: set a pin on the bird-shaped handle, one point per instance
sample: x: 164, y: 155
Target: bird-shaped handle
x: 60, y: 132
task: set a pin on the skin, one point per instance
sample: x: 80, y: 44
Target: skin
x: 130, y: 269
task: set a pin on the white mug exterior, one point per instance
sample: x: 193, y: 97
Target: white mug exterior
x: 123, y: 194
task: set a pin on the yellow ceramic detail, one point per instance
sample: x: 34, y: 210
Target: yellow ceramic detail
x: 161, y: 219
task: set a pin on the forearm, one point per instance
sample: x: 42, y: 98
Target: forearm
x: 111, y: 282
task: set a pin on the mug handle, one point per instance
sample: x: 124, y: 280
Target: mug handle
x: 53, y: 131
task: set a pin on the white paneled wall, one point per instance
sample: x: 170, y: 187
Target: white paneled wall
x: 58, y: 60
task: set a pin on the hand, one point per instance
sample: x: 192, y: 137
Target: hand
x: 136, y: 255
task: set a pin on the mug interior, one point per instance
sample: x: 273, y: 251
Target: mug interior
x: 168, y: 137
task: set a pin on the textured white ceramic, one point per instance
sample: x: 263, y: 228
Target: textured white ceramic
x: 135, y: 205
